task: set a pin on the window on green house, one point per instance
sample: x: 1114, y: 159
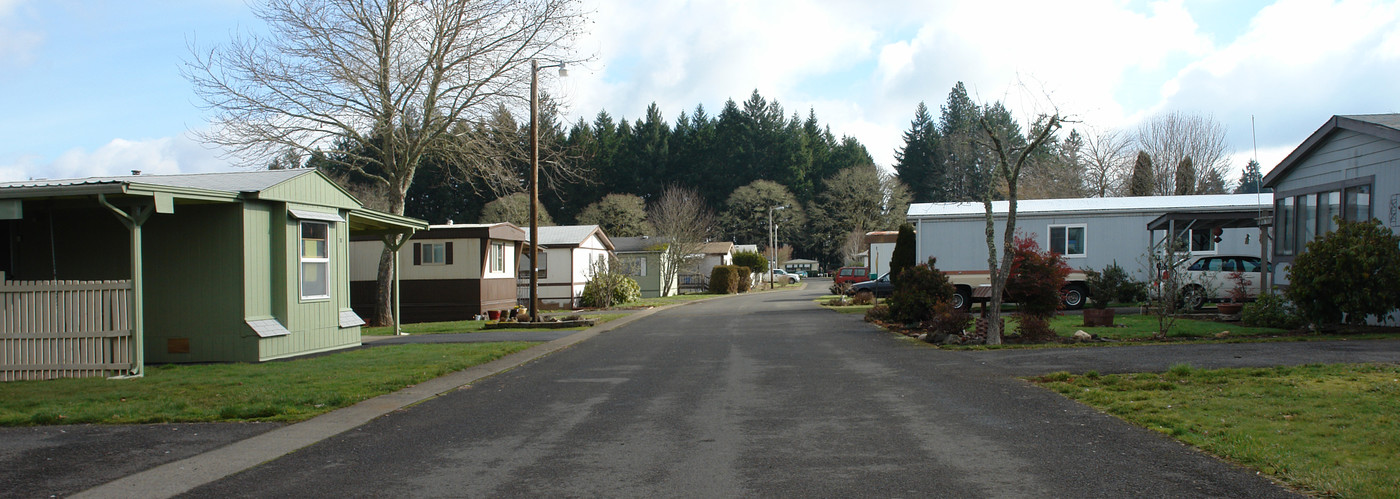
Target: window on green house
x: 315, y: 260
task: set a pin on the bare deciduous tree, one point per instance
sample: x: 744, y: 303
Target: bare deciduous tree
x: 852, y: 245
x: 391, y: 79
x: 1108, y: 158
x: 683, y: 222
x: 1008, y: 165
x: 1169, y: 138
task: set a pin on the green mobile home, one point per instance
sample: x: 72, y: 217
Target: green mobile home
x: 242, y: 266
x: 644, y: 258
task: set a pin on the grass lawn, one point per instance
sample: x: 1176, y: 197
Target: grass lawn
x: 1332, y: 430
x: 669, y: 300
x: 289, y: 391
x: 450, y: 327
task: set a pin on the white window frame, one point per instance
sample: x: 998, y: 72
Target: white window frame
x: 323, y: 261
x: 1210, y: 237
x: 1050, y: 243
x: 636, y: 265
x: 433, y: 253
x: 496, y: 261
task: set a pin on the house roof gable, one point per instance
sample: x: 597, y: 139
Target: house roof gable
x: 637, y: 244
x: 571, y: 235
x: 1386, y: 126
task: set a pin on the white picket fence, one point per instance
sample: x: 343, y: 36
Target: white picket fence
x: 64, y: 329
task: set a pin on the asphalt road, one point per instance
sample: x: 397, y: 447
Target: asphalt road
x: 758, y: 396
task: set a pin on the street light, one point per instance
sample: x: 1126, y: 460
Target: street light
x: 535, y: 68
x: 772, y: 251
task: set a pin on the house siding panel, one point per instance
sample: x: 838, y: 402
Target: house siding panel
x: 960, y: 245
x: 314, y: 323
x: 310, y: 192
x: 212, y: 318
x: 1341, y: 156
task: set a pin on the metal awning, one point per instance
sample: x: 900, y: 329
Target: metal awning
x: 1211, y: 220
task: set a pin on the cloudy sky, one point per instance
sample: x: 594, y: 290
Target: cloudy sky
x: 91, y: 87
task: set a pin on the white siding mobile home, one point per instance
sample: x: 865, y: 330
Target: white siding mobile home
x: 1091, y: 233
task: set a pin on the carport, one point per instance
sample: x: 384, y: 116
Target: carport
x: 1216, y: 221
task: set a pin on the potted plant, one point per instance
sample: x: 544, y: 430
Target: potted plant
x: 1239, y: 294
x: 1103, y: 287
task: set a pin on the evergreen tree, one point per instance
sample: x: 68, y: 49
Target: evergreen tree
x: 1141, y: 182
x: 1185, y: 177
x: 1213, y: 183
x: 1251, y: 180
x: 959, y: 133
x: 920, y: 163
x: 903, y: 256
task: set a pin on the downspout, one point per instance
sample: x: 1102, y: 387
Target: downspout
x: 133, y: 223
x: 395, y: 247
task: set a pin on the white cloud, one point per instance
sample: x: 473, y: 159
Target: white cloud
x: 1299, y: 63
x: 167, y: 155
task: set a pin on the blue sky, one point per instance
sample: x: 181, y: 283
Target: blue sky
x: 93, y: 87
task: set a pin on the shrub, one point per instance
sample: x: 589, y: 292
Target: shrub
x: 607, y: 289
x: 839, y: 288
x: 754, y: 260
x: 724, y: 280
x: 1271, y: 310
x: 916, y: 292
x: 880, y: 313
x: 863, y: 297
x: 1107, y: 285
x: 1132, y: 292
x: 1034, y: 327
x: 1036, y: 278
x: 1347, y: 275
x: 947, y: 320
x: 744, y: 278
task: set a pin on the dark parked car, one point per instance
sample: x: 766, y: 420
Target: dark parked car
x: 881, y: 287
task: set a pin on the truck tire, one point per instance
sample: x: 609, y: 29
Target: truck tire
x: 1074, y: 296
x: 962, y: 298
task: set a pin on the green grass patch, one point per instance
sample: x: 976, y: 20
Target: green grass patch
x: 453, y: 327
x: 669, y: 300
x: 1141, y: 327
x: 1333, y: 430
x: 292, y: 390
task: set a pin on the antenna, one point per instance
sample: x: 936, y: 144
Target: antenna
x: 1254, y: 137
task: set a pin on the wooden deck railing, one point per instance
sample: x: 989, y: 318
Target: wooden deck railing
x: 58, y: 329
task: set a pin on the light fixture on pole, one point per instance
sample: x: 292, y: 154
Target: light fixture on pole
x: 535, y: 68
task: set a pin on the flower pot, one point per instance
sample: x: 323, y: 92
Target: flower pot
x: 493, y: 315
x: 1098, y: 317
x: 1230, y: 308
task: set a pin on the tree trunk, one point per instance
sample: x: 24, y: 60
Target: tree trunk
x: 383, y: 303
